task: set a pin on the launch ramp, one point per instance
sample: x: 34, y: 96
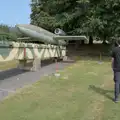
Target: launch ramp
x: 29, y: 55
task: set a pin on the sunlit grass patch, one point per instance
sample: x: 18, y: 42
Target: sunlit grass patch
x: 83, y: 91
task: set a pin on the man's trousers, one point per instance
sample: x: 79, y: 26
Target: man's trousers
x: 117, y: 84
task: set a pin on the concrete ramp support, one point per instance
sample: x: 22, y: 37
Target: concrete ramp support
x: 30, y: 65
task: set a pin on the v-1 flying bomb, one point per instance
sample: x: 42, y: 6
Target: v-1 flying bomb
x: 42, y: 35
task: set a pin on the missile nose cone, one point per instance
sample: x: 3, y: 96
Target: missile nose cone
x: 21, y: 28
x: 18, y: 26
x: 21, y: 25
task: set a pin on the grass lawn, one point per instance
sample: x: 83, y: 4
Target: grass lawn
x: 8, y: 65
x: 82, y: 92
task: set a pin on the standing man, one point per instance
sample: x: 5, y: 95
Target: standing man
x: 116, y: 69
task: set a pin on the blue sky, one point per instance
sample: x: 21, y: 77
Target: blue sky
x: 15, y: 12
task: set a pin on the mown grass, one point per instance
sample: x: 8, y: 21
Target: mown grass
x: 83, y: 91
x: 8, y: 65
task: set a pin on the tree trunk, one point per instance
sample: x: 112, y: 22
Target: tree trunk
x: 104, y: 42
x: 90, y: 40
x: 82, y: 42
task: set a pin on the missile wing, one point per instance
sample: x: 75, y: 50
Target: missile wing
x: 61, y: 35
x: 70, y: 37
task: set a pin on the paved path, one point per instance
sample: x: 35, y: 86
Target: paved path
x: 13, y: 79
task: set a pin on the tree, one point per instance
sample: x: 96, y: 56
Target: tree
x: 94, y: 18
x: 66, y: 15
x: 8, y: 33
x: 103, y: 19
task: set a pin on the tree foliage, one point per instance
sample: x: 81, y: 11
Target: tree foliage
x: 7, y: 33
x: 98, y: 18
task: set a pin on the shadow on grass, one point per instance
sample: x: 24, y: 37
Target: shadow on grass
x: 5, y: 74
x: 102, y: 91
x: 10, y: 73
x: 51, y: 61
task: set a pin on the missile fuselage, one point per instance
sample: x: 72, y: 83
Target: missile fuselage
x: 40, y: 34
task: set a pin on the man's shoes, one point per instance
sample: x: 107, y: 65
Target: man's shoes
x: 116, y: 100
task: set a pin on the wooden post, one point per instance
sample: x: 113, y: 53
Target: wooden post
x: 24, y: 52
x: 100, y: 56
x: 56, y: 64
x: 100, y: 59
